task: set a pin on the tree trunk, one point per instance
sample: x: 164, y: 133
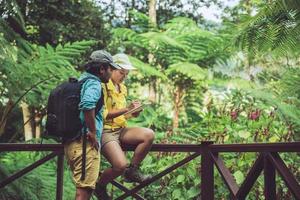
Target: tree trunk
x: 152, y: 13
x: 28, y: 132
x: 153, y: 24
x: 4, y: 116
x: 152, y: 91
x: 178, y: 95
x: 37, y: 123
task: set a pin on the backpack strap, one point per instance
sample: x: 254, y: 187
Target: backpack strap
x: 108, y: 93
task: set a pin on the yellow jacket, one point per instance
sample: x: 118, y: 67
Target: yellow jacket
x: 114, y: 100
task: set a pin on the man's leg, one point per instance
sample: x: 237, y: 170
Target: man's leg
x: 83, y: 193
x: 143, y: 138
x: 73, y: 152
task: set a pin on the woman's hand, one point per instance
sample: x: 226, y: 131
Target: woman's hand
x: 134, y: 104
x: 136, y: 114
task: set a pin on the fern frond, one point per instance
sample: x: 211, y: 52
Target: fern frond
x: 146, y: 69
x: 189, y: 70
x: 274, y: 28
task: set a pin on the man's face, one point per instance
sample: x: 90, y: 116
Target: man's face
x: 105, y: 74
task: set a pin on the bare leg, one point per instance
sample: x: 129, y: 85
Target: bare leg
x: 116, y: 157
x: 143, y: 138
x: 83, y: 193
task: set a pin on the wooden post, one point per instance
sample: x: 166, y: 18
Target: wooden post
x: 207, y: 172
x: 60, y: 176
x: 269, y: 176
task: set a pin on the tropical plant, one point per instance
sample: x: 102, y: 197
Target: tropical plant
x: 30, y: 71
x: 275, y: 27
x: 40, y: 183
x: 178, y: 50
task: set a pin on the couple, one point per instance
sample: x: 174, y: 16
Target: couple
x: 106, y: 129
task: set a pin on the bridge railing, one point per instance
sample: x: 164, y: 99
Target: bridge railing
x: 57, y: 150
x: 268, y: 160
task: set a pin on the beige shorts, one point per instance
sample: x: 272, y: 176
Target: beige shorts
x: 112, y: 135
x: 73, y: 152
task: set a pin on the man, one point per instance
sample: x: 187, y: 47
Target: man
x: 117, y: 133
x: 99, y: 68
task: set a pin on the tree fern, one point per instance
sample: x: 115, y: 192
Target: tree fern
x: 189, y: 70
x: 290, y: 84
x: 145, y: 69
x: 276, y: 27
x: 173, y: 43
x: 24, y: 69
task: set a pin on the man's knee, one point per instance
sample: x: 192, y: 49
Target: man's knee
x: 83, y: 193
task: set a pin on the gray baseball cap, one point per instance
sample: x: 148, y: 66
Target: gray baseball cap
x: 103, y: 56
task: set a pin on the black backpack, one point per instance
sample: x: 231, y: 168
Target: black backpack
x: 63, y: 122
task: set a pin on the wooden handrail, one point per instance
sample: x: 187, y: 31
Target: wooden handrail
x: 267, y: 161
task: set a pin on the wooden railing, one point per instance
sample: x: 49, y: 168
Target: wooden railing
x: 55, y: 149
x: 268, y: 160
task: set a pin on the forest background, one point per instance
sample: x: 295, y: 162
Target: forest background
x: 232, y: 80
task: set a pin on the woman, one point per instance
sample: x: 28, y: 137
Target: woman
x: 117, y: 133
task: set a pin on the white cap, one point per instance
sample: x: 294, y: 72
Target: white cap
x: 122, y: 60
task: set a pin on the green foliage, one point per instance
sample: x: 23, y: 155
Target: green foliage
x: 153, y: 117
x: 23, y: 65
x: 139, y: 21
x: 145, y: 69
x: 173, y: 44
x: 179, y: 51
x: 288, y: 112
x: 54, y: 22
x: 275, y: 27
x: 289, y: 82
x: 188, y: 70
x: 11, y: 12
x: 40, y: 183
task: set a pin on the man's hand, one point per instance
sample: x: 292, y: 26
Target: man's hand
x: 91, y: 136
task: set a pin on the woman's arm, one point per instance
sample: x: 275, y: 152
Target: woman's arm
x: 117, y: 112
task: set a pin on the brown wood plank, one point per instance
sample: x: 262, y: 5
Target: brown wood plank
x: 169, y: 147
x: 60, y: 176
x: 251, y: 178
x: 125, y: 189
x: 270, y: 182
x: 158, y: 176
x: 26, y: 170
x: 31, y: 147
x: 226, y: 175
x: 257, y: 147
x: 207, y: 173
x: 285, y: 173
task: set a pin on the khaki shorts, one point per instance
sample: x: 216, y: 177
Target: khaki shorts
x: 112, y: 135
x: 73, y: 152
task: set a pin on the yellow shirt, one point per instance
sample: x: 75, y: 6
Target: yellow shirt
x: 114, y: 100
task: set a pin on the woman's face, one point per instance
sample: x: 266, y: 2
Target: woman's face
x: 119, y: 75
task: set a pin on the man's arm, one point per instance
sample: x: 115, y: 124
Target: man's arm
x: 89, y: 118
x: 90, y: 94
